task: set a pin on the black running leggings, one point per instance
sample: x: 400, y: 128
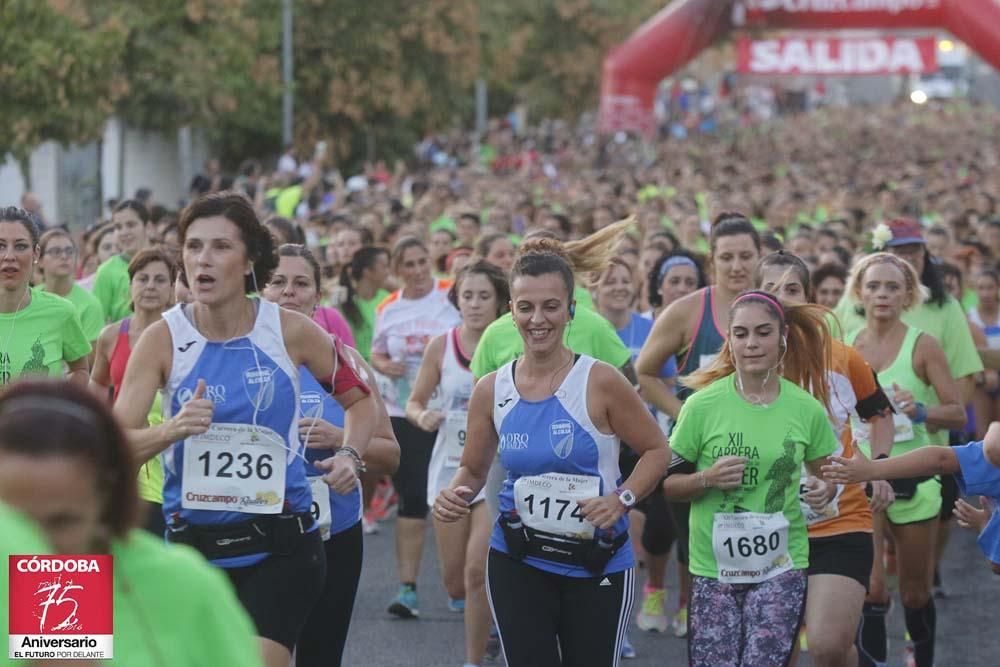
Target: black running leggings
x: 322, y: 641
x: 547, y: 619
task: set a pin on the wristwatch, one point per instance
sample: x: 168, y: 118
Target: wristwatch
x: 627, y: 497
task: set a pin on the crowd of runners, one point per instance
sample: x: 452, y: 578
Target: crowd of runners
x: 758, y: 352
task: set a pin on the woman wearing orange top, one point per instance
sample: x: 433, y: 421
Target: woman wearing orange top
x: 841, y: 549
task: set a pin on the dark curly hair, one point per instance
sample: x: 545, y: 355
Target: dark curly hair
x: 655, y: 279
x: 237, y: 208
x: 493, y: 273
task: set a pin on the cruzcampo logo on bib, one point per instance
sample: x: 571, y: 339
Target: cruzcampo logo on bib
x: 561, y: 437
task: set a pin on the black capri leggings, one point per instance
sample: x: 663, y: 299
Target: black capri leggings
x: 546, y: 620
x: 322, y: 641
x: 410, y: 480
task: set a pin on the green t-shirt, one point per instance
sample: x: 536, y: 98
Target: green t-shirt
x: 173, y: 608
x: 715, y: 422
x: 583, y: 298
x: 88, y: 308
x: 19, y: 537
x: 40, y: 337
x: 947, y: 323
x: 366, y: 330
x: 588, y: 333
x: 111, y: 287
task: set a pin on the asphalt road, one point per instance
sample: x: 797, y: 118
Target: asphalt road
x: 968, y: 628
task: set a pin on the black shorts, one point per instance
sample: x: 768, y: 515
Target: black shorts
x: 280, y: 591
x: 848, y: 555
x: 949, y: 495
x: 410, y: 480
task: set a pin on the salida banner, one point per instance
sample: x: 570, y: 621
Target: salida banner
x: 832, y: 56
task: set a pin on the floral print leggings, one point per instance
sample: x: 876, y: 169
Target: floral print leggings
x: 745, y: 625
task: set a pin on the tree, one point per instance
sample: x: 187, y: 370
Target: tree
x: 58, y: 74
x: 549, y: 54
x: 393, y: 68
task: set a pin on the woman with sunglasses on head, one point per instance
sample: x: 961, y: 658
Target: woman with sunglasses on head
x: 914, y: 370
x: 406, y: 322
x: 295, y: 285
x: 560, y: 565
x: 65, y: 464
x: 40, y: 333
x: 739, y: 467
x: 151, y: 275
x: 57, y: 260
x: 235, y: 483
x: 481, y: 294
x: 841, y: 550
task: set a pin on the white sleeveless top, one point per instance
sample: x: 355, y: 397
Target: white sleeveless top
x: 453, y: 393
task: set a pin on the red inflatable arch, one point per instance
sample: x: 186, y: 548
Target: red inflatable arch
x: 633, y: 70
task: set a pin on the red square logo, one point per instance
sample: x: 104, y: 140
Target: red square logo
x: 61, y: 607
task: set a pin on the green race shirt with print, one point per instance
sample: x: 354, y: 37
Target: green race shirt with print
x: 363, y: 334
x: 39, y: 338
x: 775, y: 440
x: 111, y: 289
x: 88, y: 308
x: 587, y: 333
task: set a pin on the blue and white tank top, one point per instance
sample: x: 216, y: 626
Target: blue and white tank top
x: 249, y: 462
x: 453, y: 392
x: 554, y: 456
x: 992, y: 331
x: 334, y: 513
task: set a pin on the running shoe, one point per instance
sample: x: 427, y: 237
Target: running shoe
x: 909, y: 657
x: 369, y: 526
x: 679, y: 624
x: 384, y: 501
x: 493, y: 644
x: 628, y: 651
x: 803, y: 641
x: 456, y: 605
x: 651, y: 617
x: 406, y: 604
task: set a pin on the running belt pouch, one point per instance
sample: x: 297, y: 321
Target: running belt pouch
x: 906, y: 487
x: 287, y: 531
x: 598, y: 556
x: 556, y: 548
x: 225, y: 541
x: 515, y: 539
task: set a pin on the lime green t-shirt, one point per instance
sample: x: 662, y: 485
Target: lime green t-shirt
x: 173, y: 608
x: 40, y: 337
x: 588, y: 333
x: 583, y: 298
x: 88, y: 308
x: 364, y: 332
x: 19, y: 536
x: 776, y: 439
x: 111, y: 288
x: 947, y: 323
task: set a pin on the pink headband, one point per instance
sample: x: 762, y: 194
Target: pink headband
x: 764, y: 297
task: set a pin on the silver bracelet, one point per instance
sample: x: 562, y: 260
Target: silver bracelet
x: 359, y: 464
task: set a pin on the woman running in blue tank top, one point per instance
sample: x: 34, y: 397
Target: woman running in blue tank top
x: 235, y: 484
x: 560, y: 566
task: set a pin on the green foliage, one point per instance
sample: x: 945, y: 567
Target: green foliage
x: 390, y: 70
x: 57, y: 74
